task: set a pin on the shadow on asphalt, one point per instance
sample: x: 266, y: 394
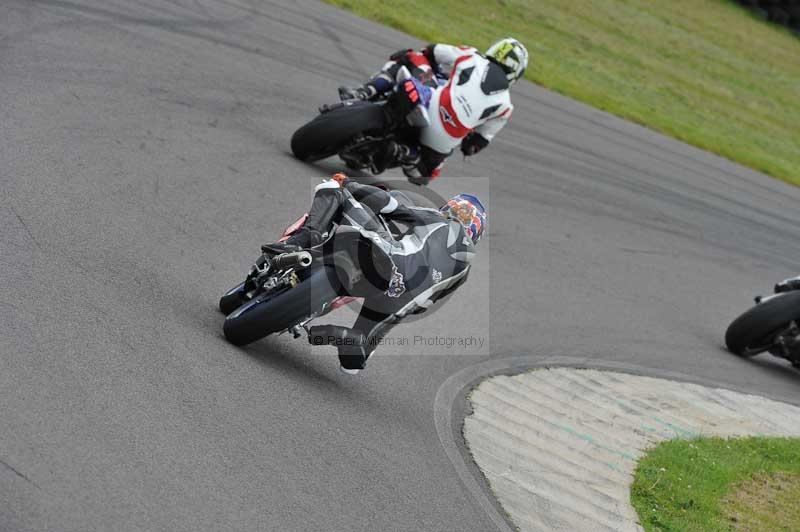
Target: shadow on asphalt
x: 290, y: 361
x: 778, y: 367
x: 330, y: 166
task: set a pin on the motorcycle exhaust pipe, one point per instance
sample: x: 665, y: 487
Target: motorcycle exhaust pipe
x: 298, y: 259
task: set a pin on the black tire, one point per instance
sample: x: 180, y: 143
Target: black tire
x: 230, y: 302
x: 751, y: 333
x: 780, y: 16
x: 269, y: 314
x: 330, y: 132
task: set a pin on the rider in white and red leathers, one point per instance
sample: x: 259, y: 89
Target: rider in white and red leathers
x: 468, y: 100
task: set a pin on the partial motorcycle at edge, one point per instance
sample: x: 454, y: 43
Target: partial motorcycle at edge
x: 772, y: 325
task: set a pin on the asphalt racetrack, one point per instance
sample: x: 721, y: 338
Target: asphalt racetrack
x: 144, y: 158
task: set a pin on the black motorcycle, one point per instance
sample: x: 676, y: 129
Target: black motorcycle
x: 772, y: 325
x: 287, y: 291
x: 358, y: 130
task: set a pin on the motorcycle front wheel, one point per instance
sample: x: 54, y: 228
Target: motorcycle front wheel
x: 754, y: 331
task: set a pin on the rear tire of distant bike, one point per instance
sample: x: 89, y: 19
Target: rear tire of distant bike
x: 751, y: 333
x: 271, y: 313
x: 329, y: 132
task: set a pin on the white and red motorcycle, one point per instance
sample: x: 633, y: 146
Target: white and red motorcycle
x: 414, y: 113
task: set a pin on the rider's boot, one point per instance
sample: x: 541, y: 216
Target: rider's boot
x: 397, y: 154
x: 352, y: 359
x: 324, y: 210
x: 403, y: 154
x: 787, y: 285
x: 301, y: 239
x: 363, y: 92
x: 351, y: 343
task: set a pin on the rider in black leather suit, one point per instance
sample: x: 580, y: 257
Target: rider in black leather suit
x: 405, y: 273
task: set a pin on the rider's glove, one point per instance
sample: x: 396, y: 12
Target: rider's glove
x: 473, y: 143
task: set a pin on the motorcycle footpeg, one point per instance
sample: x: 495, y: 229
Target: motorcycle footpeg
x: 297, y: 259
x: 328, y: 107
x: 335, y: 335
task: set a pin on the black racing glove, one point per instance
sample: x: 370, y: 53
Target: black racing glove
x: 473, y: 143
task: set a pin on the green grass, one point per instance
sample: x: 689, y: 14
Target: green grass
x: 704, y: 71
x: 698, y: 485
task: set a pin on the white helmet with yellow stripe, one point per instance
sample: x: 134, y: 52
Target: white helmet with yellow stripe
x: 511, y: 55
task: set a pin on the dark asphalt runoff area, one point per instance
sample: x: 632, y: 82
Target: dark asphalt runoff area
x: 144, y: 157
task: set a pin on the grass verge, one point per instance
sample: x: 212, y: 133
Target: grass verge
x: 704, y: 71
x: 719, y: 484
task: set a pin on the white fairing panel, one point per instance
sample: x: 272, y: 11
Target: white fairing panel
x: 435, y: 136
x: 467, y: 101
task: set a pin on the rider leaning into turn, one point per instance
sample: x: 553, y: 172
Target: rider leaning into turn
x: 472, y: 106
x: 406, y: 273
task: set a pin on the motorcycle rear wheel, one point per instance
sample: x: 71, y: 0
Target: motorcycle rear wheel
x: 329, y: 132
x: 271, y: 313
x: 753, y: 332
